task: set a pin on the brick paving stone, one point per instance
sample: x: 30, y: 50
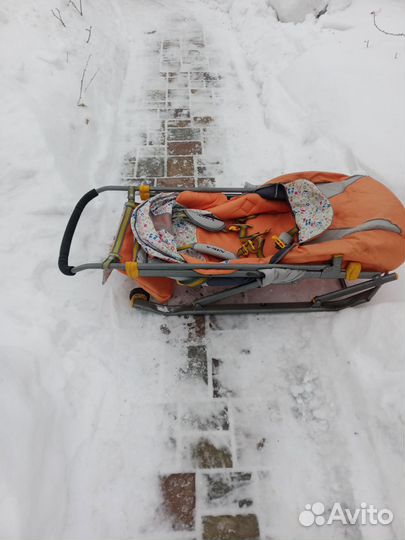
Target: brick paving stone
x: 227, y: 527
x: 156, y: 95
x: 196, y: 328
x: 184, y: 148
x: 228, y: 490
x: 206, y: 182
x: 175, y: 182
x: 150, y: 167
x: 180, y: 166
x: 219, y: 391
x: 178, y: 491
x: 183, y: 134
x: 197, y: 366
x: 207, y: 455
x: 178, y: 123
x: 203, y: 120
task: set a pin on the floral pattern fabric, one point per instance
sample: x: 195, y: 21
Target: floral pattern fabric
x: 158, y: 230
x: 312, y: 210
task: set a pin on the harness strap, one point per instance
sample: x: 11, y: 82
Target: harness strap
x: 203, y: 219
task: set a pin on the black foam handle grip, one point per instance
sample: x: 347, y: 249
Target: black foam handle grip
x: 63, y: 261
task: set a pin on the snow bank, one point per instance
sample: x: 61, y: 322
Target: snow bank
x: 309, y: 78
x: 42, y: 62
x: 51, y: 150
x: 297, y: 10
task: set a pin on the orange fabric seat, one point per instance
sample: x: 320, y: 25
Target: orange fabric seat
x: 363, y: 201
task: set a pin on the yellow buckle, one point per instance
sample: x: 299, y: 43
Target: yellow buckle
x: 279, y: 243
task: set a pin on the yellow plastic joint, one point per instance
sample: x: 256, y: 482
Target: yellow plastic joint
x: 132, y: 270
x: 144, y: 191
x: 353, y: 271
x: 279, y: 243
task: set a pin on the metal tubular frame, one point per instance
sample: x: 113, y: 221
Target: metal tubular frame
x: 346, y: 296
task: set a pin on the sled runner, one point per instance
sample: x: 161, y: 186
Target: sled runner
x: 332, y: 237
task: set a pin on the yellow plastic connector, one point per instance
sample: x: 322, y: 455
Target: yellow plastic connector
x: 353, y: 271
x: 279, y: 243
x: 132, y: 270
x: 144, y: 191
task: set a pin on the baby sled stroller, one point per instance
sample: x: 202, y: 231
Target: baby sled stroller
x: 303, y: 242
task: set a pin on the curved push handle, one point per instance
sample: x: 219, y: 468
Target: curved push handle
x: 70, y: 230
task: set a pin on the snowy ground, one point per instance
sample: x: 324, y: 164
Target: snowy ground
x: 92, y: 395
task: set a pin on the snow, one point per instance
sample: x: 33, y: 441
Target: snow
x: 89, y: 389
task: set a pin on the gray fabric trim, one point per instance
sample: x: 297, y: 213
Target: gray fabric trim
x: 331, y: 189
x: 204, y: 219
x: 372, y: 225
x: 216, y: 251
x: 278, y: 276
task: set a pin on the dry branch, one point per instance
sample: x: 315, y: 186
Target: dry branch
x: 89, y: 36
x: 78, y: 9
x: 79, y: 101
x: 373, y: 13
x: 91, y: 80
x: 57, y: 14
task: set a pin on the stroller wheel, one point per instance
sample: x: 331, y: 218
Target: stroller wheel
x: 138, y: 294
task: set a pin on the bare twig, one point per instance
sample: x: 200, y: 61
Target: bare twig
x: 78, y: 9
x: 79, y: 101
x: 89, y: 36
x: 91, y: 80
x: 57, y: 14
x: 373, y: 13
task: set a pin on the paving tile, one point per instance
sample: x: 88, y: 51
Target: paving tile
x: 183, y: 134
x: 227, y: 489
x: 156, y: 95
x: 206, y: 182
x: 180, y: 166
x: 227, y: 527
x: 178, y: 491
x: 179, y: 123
x: 175, y: 182
x: 196, y: 363
x: 206, y: 454
x: 205, y: 416
x: 150, y: 167
x: 180, y: 113
x: 203, y: 120
x: 184, y: 148
x: 219, y: 391
x: 196, y: 328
